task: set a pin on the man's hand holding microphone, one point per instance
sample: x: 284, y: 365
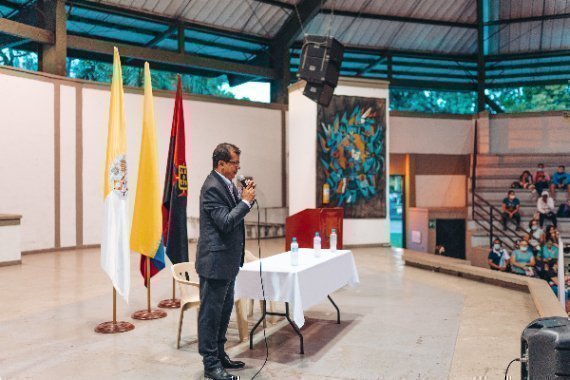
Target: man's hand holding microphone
x: 248, y: 190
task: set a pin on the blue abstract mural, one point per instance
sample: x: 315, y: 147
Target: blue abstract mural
x: 351, y: 156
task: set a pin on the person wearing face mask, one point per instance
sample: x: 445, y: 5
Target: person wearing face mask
x: 498, y: 257
x: 522, y: 260
x: 547, y: 256
x: 546, y: 209
x: 510, y: 210
x: 535, y: 237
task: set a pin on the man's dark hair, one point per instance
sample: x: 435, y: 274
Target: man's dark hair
x: 562, y: 166
x: 223, y: 153
x: 511, y: 192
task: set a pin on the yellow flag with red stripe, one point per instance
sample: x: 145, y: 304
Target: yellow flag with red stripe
x: 146, y: 231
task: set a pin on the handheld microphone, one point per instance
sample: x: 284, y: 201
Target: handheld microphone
x: 243, y: 182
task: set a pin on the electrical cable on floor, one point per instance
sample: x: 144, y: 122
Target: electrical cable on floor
x: 507, y: 370
x: 262, y: 290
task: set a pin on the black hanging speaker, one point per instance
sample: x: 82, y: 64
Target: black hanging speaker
x: 319, y: 92
x: 546, y: 345
x: 321, y: 58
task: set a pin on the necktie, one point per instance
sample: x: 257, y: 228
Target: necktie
x: 231, y: 188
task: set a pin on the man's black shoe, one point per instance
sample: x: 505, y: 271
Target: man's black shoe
x: 219, y: 374
x: 229, y: 363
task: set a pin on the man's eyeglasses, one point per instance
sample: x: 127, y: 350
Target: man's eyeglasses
x: 234, y: 162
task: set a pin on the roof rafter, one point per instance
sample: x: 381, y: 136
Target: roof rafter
x: 291, y: 29
x: 156, y: 35
x: 415, y: 20
x: 147, y: 16
x: 144, y: 53
x: 518, y: 20
x: 406, y: 53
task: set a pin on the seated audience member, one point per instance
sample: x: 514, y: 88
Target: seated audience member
x: 535, y: 237
x: 525, y: 181
x: 522, y: 260
x: 498, y: 257
x: 510, y: 210
x: 546, y: 209
x: 541, y: 179
x: 559, y: 180
x: 564, y: 210
x: 551, y: 234
x: 548, y: 255
x: 552, y: 277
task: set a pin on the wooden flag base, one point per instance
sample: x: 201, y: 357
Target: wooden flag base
x: 170, y: 304
x: 146, y: 315
x: 114, y: 327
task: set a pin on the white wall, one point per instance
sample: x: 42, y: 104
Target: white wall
x: 27, y: 145
x: 430, y: 135
x: 27, y: 161
x: 533, y: 133
x: 68, y: 165
x: 440, y: 191
x: 302, y: 159
x: 302, y: 167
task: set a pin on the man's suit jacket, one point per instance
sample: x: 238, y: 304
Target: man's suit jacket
x: 221, y: 244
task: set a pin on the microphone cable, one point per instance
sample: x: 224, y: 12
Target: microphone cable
x: 262, y: 289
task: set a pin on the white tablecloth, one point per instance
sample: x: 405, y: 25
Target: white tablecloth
x: 304, y: 285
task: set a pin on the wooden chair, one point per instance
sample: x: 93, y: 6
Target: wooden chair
x: 188, y: 282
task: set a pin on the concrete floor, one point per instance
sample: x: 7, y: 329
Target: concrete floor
x: 399, y: 323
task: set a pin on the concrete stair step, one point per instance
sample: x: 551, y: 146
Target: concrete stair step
x: 502, y: 183
x: 525, y: 159
x: 510, y: 171
x: 496, y: 196
x: 479, y: 231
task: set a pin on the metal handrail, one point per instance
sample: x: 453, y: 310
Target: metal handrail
x: 474, y: 169
x: 481, y: 215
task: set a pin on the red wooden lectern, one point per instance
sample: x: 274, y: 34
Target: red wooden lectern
x: 304, y: 224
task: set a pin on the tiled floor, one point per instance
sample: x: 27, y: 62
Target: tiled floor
x: 399, y: 323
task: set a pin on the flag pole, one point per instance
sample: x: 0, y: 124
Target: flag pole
x: 114, y: 327
x: 561, y: 277
x: 173, y: 303
x: 148, y: 283
x: 148, y: 313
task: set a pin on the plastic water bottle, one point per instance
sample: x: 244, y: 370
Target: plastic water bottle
x: 294, y: 252
x: 333, y: 240
x: 317, y: 245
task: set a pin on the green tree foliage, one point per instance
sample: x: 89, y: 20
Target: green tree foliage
x: 535, y: 98
x: 431, y: 101
x: 19, y: 58
x: 161, y: 80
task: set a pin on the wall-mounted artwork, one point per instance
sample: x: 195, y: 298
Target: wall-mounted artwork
x: 351, y: 156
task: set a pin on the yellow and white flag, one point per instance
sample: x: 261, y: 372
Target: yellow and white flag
x: 146, y: 233
x: 115, y: 258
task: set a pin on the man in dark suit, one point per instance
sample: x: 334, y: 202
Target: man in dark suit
x: 219, y: 255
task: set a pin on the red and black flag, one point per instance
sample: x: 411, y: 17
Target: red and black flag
x: 174, y: 200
